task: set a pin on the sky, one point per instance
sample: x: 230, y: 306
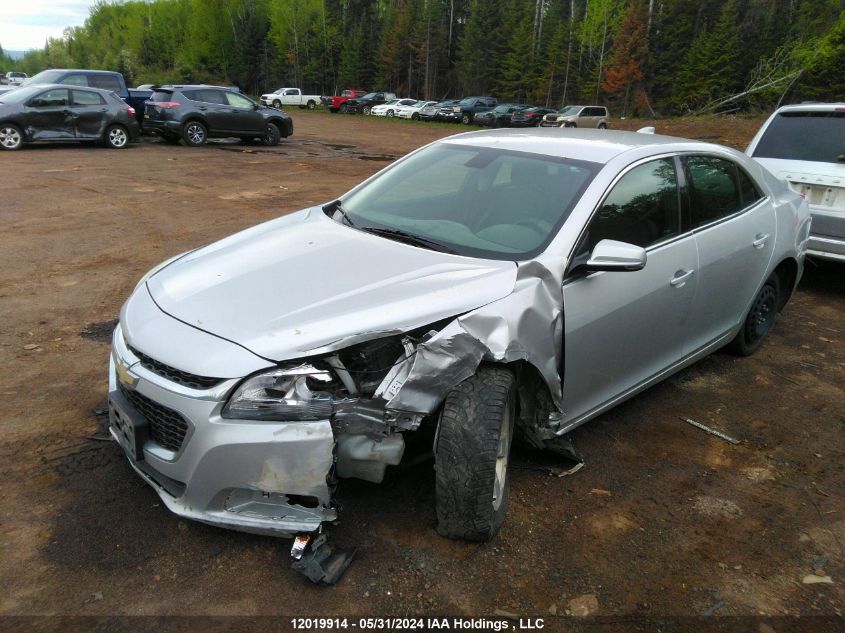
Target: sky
x: 26, y: 24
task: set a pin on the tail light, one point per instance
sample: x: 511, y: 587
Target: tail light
x: 130, y: 111
x: 167, y: 105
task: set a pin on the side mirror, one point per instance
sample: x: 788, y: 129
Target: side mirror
x: 611, y: 255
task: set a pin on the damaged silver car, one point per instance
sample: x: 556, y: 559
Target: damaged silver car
x: 495, y: 284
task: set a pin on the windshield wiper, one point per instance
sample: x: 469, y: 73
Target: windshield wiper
x: 336, y: 205
x: 399, y: 235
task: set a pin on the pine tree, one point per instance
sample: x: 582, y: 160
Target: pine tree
x: 624, y: 74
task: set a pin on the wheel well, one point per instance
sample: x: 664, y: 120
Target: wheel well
x: 196, y: 119
x: 787, y: 272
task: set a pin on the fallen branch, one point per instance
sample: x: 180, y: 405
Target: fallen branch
x: 707, y: 429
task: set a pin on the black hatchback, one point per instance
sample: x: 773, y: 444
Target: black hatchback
x: 194, y: 114
x: 65, y: 113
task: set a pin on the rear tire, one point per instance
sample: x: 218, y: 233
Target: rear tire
x: 311, y: 105
x: 759, y: 320
x: 116, y: 137
x: 465, y: 119
x: 11, y: 137
x: 272, y: 136
x: 367, y: 110
x: 602, y: 126
x: 343, y: 109
x: 194, y: 134
x: 473, y: 447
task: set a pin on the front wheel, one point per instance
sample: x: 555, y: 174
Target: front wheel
x: 311, y: 105
x: 415, y: 116
x: 367, y: 110
x: 472, y: 453
x: 11, y: 137
x: 759, y: 319
x: 271, y: 135
x: 465, y: 119
x: 194, y: 134
x: 390, y: 113
x: 344, y: 108
x: 116, y: 137
x: 602, y: 126
x: 277, y: 104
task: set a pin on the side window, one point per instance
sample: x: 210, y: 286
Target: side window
x: 642, y: 208
x: 52, y: 98
x: 239, y: 101
x: 289, y: 93
x: 211, y: 96
x: 104, y: 82
x: 86, y: 98
x: 750, y: 192
x: 75, y: 80
x: 713, y: 189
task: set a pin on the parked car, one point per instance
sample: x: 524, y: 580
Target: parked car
x: 413, y: 110
x: 14, y: 78
x: 500, y: 116
x: 529, y: 117
x: 102, y: 79
x: 61, y: 113
x: 196, y: 113
x: 290, y: 96
x: 578, y: 116
x: 466, y: 109
x: 338, y: 103
x: 478, y: 286
x: 3, y: 80
x: 430, y: 113
x: 804, y: 145
x: 368, y: 101
x: 391, y: 107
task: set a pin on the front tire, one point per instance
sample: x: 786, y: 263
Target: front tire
x: 277, y: 104
x: 194, y: 134
x: 415, y: 117
x: 311, y: 105
x: 116, y: 137
x: 390, y: 113
x: 465, y: 119
x: 343, y: 109
x: 602, y: 126
x: 472, y: 453
x: 759, y: 320
x: 11, y: 137
x: 367, y: 110
x: 272, y: 135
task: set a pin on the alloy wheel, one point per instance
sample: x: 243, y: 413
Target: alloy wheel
x: 118, y: 137
x: 195, y: 133
x: 502, y: 454
x: 10, y: 138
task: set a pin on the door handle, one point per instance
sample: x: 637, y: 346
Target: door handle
x: 203, y: 108
x: 680, y: 278
x: 760, y: 240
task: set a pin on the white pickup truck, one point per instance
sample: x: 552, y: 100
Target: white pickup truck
x: 290, y: 96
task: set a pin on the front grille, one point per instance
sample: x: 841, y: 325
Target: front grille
x: 167, y: 427
x: 175, y: 375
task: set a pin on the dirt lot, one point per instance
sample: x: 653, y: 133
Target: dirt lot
x: 663, y: 520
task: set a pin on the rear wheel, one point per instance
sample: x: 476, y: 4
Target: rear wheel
x: 271, y: 135
x: 194, y: 133
x: 759, y: 319
x: 11, y: 137
x: 311, y: 105
x: 343, y: 108
x: 116, y: 137
x: 472, y: 454
x: 602, y: 126
x: 465, y: 119
x: 367, y: 110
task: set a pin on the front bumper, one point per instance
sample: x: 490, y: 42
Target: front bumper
x: 450, y: 117
x: 260, y: 477
x: 827, y: 234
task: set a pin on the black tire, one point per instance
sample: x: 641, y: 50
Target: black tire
x: 367, y: 110
x: 311, y: 105
x: 116, y: 137
x: 415, y: 117
x: 277, y: 104
x: 272, y: 135
x: 390, y: 113
x: 759, y: 320
x: 194, y: 134
x: 473, y: 445
x: 602, y: 126
x: 466, y: 120
x: 11, y: 137
x: 343, y: 108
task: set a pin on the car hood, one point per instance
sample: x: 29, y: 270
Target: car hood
x: 304, y: 284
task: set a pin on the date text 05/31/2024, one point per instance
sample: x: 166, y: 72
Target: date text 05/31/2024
x: 418, y: 624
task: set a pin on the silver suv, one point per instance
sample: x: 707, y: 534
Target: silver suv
x: 578, y: 116
x: 803, y: 145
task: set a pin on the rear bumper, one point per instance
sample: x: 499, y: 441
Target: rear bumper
x: 162, y: 127
x: 827, y: 234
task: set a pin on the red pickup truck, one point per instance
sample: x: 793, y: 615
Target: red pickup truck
x: 338, y: 104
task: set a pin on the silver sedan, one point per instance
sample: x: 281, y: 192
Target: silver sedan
x: 487, y: 282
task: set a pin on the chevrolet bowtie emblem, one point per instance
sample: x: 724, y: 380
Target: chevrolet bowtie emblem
x: 123, y: 374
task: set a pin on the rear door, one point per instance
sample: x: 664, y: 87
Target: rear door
x: 213, y: 106
x: 90, y: 113
x: 622, y: 328
x: 50, y: 116
x: 734, y: 226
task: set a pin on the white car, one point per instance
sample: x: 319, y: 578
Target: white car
x: 16, y: 78
x: 290, y: 96
x: 391, y: 107
x: 412, y: 111
x: 805, y: 146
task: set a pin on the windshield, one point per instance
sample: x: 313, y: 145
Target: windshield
x: 44, y: 77
x: 814, y: 136
x: 503, y: 108
x: 569, y: 110
x: 475, y: 201
x: 20, y: 95
x: 369, y: 95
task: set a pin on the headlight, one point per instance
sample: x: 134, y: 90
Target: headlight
x: 295, y: 394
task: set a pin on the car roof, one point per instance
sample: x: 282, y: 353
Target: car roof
x: 598, y: 146
x: 85, y: 70
x: 812, y: 107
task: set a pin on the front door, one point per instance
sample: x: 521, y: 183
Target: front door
x: 622, y: 328
x: 241, y: 116
x: 49, y: 116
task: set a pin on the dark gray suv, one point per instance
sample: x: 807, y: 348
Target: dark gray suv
x: 194, y: 114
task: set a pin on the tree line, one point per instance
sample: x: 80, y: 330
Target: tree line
x: 636, y: 56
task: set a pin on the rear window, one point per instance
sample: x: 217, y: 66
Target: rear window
x: 812, y: 136
x: 104, y: 82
